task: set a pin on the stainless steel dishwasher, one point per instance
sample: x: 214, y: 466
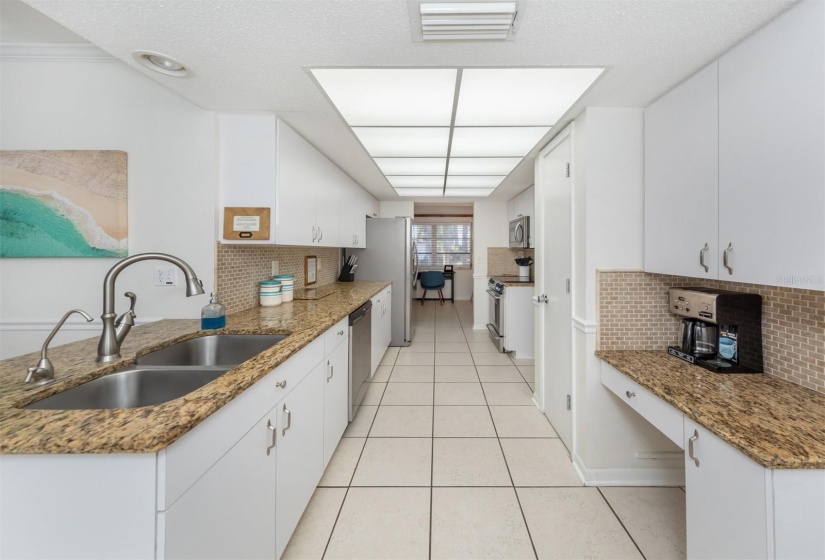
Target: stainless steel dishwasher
x: 360, y: 350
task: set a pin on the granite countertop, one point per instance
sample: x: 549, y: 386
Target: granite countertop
x: 149, y: 429
x: 778, y: 424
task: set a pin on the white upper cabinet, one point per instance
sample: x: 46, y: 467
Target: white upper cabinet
x: 681, y: 178
x: 734, y: 158
x: 771, y: 174
x: 264, y: 163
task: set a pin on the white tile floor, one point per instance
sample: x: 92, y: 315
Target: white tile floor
x: 448, y: 458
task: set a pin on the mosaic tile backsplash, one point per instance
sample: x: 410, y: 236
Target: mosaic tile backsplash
x: 501, y: 261
x: 633, y: 315
x: 239, y: 268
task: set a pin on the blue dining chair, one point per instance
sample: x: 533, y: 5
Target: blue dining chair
x: 432, y: 280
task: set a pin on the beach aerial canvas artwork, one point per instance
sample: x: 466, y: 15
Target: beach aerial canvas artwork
x: 63, y: 203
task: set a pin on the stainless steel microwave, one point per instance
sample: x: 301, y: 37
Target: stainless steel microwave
x: 520, y: 232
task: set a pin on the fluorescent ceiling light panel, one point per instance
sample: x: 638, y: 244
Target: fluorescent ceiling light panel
x: 390, y: 96
x: 411, y: 166
x: 496, y: 141
x: 520, y: 96
x: 404, y: 142
x: 416, y: 181
x: 468, y: 192
x: 419, y: 192
x: 475, y: 181
x: 445, y: 21
x: 482, y: 166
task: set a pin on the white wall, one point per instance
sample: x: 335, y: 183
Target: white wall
x: 608, y: 219
x: 489, y: 230
x: 396, y: 208
x: 86, y: 104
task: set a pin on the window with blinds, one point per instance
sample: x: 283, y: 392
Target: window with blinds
x: 440, y: 244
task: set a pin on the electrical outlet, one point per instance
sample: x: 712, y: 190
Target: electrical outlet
x: 276, y: 268
x: 166, y: 275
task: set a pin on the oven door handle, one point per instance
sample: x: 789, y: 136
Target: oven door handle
x: 493, y: 294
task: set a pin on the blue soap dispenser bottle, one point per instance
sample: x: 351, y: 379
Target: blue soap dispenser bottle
x: 213, y: 316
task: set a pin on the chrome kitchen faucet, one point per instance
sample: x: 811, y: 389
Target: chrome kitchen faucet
x: 114, y: 331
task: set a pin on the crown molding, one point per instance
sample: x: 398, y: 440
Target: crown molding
x: 52, y: 51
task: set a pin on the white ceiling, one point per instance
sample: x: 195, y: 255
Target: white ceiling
x: 250, y: 55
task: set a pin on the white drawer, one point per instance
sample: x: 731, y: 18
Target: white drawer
x: 334, y: 336
x: 664, y: 417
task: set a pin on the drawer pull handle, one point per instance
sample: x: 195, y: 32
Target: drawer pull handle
x: 281, y: 384
x: 341, y: 333
x: 271, y: 428
x: 630, y: 394
x: 288, y: 420
x: 692, y: 439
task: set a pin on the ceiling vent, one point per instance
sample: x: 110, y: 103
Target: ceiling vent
x: 467, y: 21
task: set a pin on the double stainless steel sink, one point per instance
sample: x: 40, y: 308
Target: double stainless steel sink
x: 163, y: 375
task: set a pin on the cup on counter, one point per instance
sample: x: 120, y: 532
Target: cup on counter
x: 287, y: 285
x: 270, y: 293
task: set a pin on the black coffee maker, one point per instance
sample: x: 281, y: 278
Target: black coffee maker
x: 721, y: 330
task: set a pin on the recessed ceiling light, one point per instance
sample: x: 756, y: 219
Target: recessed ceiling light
x: 473, y: 181
x: 390, y: 96
x: 416, y: 182
x: 161, y: 63
x: 408, y: 141
x: 482, y: 166
x: 411, y: 166
x: 468, y: 192
x: 496, y: 141
x: 475, y: 124
x: 520, y: 96
x: 419, y: 192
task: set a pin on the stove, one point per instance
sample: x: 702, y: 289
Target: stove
x: 496, y: 283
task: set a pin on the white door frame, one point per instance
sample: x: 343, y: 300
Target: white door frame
x: 538, y: 396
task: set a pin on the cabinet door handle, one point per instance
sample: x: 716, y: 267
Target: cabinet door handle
x: 702, y: 257
x: 281, y: 384
x: 271, y: 428
x: 314, y: 233
x: 725, y: 258
x: 630, y: 394
x: 320, y: 234
x: 692, y: 439
x: 288, y: 420
x: 341, y: 333
x: 331, y: 369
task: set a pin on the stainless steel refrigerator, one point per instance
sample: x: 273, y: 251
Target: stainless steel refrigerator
x: 391, y: 255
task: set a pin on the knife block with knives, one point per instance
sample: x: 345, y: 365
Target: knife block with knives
x: 348, y: 270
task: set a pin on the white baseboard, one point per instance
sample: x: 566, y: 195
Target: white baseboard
x: 628, y: 477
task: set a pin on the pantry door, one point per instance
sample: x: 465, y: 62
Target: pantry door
x: 554, y: 348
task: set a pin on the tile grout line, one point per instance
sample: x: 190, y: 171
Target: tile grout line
x: 510, y: 474
x: 620, y: 522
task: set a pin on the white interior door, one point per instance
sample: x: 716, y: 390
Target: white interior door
x: 554, y: 350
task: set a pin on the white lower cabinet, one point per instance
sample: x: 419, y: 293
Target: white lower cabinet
x: 336, y: 398
x: 736, y: 508
x: 300, y: 442
x: 381, y: 327
x: 235, y: 486
x: 230, y: 511
x: 727, y: 514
